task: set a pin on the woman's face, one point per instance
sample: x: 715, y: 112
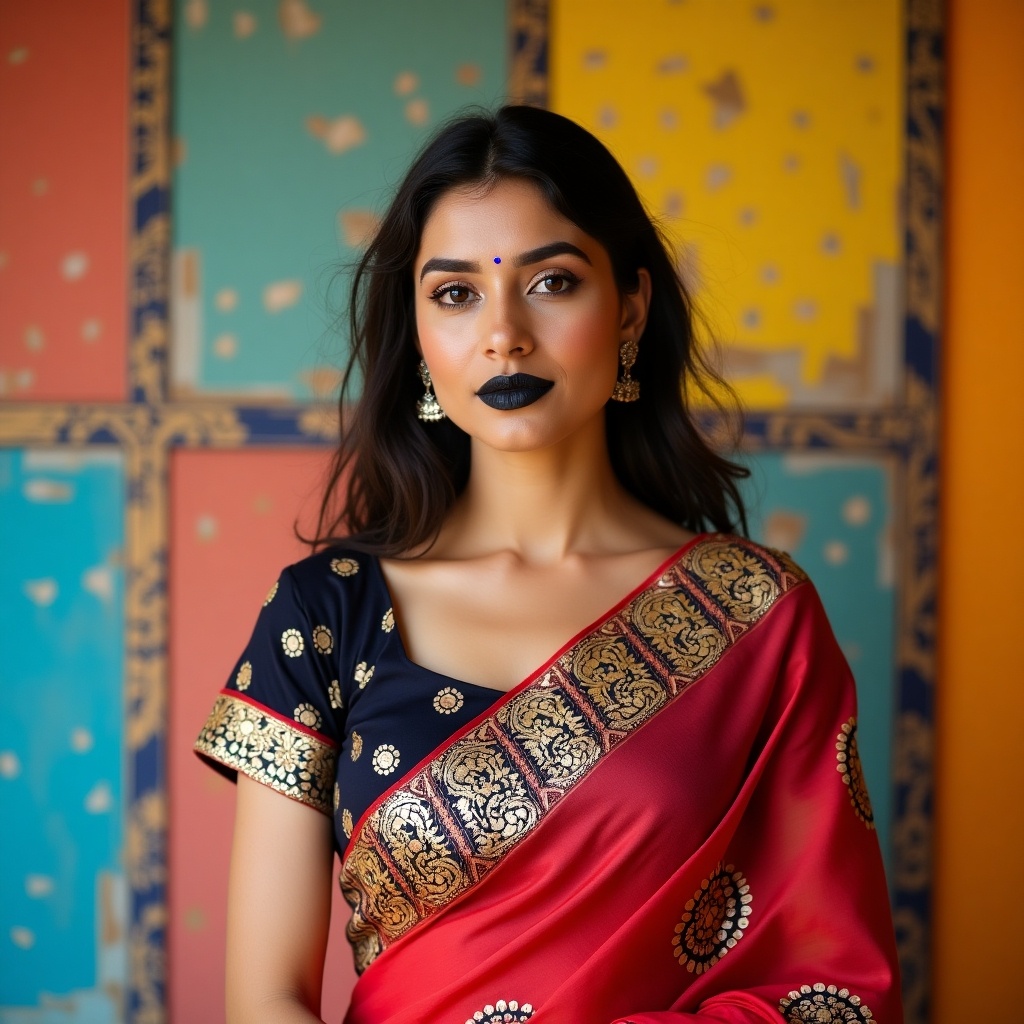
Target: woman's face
x: 506, y: 285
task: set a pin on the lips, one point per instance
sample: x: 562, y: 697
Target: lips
x: 515, y: 391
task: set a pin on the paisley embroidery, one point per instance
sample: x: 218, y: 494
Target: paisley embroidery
x: 852, y: 772
x: 451, y: 822
x: 250, y: 739
x: 713, y: 921
x: 823, y: 1004
x: 244, y: 677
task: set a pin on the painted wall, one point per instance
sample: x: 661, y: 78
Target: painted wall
x: 62, y: 337
x: 979, y: 812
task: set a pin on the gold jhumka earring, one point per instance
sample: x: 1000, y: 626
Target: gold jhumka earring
x: 428, y: 408
x: 626, y: 389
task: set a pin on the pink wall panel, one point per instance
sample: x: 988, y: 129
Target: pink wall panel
x: 64, y: 88
x: 231, y: 534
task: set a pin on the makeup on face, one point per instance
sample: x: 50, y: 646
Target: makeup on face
x: 507, y: 393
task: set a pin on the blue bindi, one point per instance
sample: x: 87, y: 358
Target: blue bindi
x: 497, y: 259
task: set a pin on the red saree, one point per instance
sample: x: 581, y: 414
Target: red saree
x: 667, y: 822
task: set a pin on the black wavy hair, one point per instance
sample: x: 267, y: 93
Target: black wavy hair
x: 393, y: 478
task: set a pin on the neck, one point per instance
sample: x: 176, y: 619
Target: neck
x: 541, y: 505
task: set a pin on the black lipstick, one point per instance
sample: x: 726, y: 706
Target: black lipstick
x: 515, y: 391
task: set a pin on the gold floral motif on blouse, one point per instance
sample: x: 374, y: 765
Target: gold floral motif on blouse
x: 323, y: 640
x: 307, y: 715
x: 385, y: 759
x: 244, y: 677
x: 292, y: 643
x: 823, y: 1004
x: 713, y: 921
x: 448, y: 700
x: 270, y: 750
x: 502, y: 1012
x: 387, y: 622
x: 852, y: 772
x: 491, y: 786
x: 346, y: 823
x: 344, y: 566
x: 363, y: 674
x: 334, y: 694
x: 271, y: 594
x: 357, y: 746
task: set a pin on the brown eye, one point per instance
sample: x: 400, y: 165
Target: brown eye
x: 554, y: 283
x: 457, y: 296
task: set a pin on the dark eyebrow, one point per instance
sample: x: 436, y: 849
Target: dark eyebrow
x: 542, y: 252
x: 545, y: 252
x: 449, y: 265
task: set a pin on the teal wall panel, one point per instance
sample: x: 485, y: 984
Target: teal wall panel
x: 834, y: 514
x: 291, y: 123
x: 63, y: 899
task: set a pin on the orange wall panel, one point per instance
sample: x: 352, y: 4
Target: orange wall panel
x: 231, y: 534
x: 979, y: 820
x: 64, y: 91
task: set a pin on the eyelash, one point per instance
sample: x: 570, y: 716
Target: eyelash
x: 570, y: 279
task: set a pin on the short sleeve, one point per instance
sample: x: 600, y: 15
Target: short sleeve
x: 278, y: 718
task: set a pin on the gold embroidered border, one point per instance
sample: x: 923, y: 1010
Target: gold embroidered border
x: 245, y: 737
x: 443, y: 829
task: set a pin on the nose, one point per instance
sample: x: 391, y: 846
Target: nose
x: 506, y: 328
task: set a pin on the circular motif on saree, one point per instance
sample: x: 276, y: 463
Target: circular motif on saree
x: 852, y: 772
x: 502, y: 1012
x: 292, y: 642
x: 344, y: 566
x: 736, y: 578
x: 713, y: 921
x: 823, y: 1004
x: 244, y: 677
x: 271, y: 594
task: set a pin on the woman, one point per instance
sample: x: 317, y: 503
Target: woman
x: 665, y: 821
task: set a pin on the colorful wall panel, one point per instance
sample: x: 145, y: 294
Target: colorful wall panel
x: 232, y: 517
x: 767, y: 137
x: 63, y: 215
x: 291, y: 123
x: 64, y: 912
x: 773, y: 140
x: 835, y: 514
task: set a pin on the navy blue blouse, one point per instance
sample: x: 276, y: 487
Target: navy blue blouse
x: 324, y: 704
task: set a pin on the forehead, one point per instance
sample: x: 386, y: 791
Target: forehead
x: 508, y: 213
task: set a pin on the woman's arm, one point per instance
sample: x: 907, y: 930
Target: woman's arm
x: 279, y: 906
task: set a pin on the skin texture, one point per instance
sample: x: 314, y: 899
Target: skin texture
x: 542, y: 543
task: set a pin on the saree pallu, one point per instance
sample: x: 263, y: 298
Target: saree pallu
x: 668, y: 822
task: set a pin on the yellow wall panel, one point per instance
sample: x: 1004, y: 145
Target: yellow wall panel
x: 767, y: 138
